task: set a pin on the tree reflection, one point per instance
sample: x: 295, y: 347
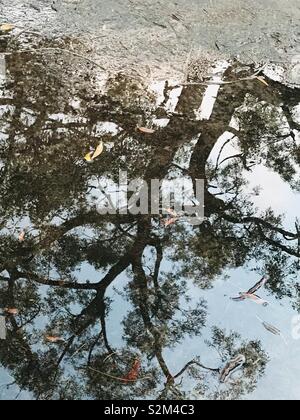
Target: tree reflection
x: 49, y: 120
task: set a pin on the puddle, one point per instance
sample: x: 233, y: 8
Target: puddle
x: 129, y: 306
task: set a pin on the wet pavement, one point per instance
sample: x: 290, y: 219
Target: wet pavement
x: 146, y: 306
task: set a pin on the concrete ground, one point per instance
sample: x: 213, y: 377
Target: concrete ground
x: 161, y: 35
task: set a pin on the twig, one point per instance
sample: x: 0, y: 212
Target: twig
x: 221, y: 151
x: 194, y: 362
x: 116, y: 377
x: 221, y: 83
x: 57, y: 49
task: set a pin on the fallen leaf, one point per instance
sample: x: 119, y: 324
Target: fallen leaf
x: 22, y: 236
x: 171, y: 221
x: 171, y: 212
x: 53, y: 339
x: 11, y: 311
x: 6, y: 27
x: 93, y: 155
x: 98, y: 151
x: 88, y: 157
x: 133, y: 374
x: 262, y: 80
x: 145, y: 130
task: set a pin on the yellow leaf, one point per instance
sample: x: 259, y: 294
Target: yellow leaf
x: 262, y: 80
x: 88, y: 157
x: 98, y: 151
x: 6, y: 27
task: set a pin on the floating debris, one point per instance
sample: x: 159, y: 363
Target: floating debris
x: 22, y: 236
x: 262, y: 80
x: 272, y: 329
x: 93, y: 155
x: 6, y: 27
x: 11, y: 311
x: 145, y: 130
x: 231, y: 367
x: 54, y: 339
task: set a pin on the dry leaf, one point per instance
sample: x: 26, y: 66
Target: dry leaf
x: 22, y: 236
x: 98, y: 151
x: 88, y: 157
x: 6, y: 27
x: 145, y: 130
x: 93, y: 155
x: 171, y: 221
x: 11, y: 311
x: 262, y: 80
x: 53, y: 339
x: 171, y: 212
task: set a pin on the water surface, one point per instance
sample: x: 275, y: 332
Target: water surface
x: 130, y: 306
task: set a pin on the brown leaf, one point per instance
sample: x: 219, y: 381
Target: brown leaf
x: 171, y: 212
x: 22, y: 236
x: 146, y: 130
x: 11, y: 311
x: 53, y: 339
x: 171, y: 221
